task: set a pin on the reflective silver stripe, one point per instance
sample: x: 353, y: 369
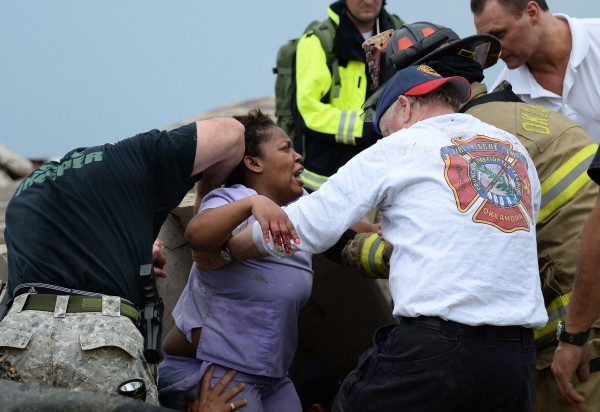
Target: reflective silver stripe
x: 351, y: 125
x: 376, y: 262
x: 312, y: 181
x: 566, y: 181
x: 339, y: 138
x: 371, y: 257
x: 343, y: 136
x: 557, y: 310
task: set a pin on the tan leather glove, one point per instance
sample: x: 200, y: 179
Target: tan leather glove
x: 368, y: 255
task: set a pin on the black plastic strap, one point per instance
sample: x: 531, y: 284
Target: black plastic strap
x: 499, y: 96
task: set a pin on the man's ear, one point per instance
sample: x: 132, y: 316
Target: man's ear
x: 403, y: 101
x: 404, y: 109
x: 253, y: 164
x: 532, y: 11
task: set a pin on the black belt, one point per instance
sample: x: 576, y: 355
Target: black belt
x: 77, y: 304
x: 482, y: 331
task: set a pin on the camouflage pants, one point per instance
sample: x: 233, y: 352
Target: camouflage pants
x: 87, y: 351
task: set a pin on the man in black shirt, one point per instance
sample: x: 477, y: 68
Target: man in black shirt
x: 77, y: 232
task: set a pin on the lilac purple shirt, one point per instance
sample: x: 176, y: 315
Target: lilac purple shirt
x: 248, y: 310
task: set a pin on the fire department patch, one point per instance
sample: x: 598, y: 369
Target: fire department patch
x: 428, y: 70
x: 489, y: 174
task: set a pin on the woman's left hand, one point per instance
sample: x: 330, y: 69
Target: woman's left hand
x: 272, y: 218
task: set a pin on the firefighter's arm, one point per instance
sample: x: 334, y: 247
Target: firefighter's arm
x: 583, y: 310
x: 369, y: 255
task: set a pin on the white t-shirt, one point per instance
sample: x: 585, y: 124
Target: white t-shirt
x: 581, y: 88
x: 459, y: 200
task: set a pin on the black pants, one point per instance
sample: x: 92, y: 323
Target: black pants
x: 420, y: 367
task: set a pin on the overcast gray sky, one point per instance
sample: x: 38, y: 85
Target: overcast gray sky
x: 78, y: 72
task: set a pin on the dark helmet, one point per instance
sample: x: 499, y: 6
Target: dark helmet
x: 391, y: 50
x: 419, y: 43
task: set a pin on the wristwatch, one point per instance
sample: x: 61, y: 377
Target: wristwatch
x: 573, y: 338
x: 226, y: 254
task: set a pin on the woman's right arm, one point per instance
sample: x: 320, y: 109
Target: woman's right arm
x: 210, y: 229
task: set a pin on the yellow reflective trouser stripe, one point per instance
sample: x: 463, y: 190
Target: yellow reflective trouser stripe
x: 312, y: 181
x: 565, y: 182
x: 557, y: 310
x: 371, y: 258
x: 343, y: 136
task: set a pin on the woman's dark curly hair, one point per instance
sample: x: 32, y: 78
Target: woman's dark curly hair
x: 258, y: 127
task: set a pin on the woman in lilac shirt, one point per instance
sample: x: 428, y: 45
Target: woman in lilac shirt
x: 241, y: 315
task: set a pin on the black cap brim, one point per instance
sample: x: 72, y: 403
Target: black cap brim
x: 483, y: 48
x: 372, y: 100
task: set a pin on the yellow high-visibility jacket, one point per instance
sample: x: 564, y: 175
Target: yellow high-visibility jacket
x: 331, y: 126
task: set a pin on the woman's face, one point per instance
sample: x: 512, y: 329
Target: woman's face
x: 281, y: 168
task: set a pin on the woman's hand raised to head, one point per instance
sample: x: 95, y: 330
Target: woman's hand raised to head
x: 273, y: 219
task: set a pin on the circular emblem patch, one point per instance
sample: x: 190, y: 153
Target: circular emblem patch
x: 496, y: 180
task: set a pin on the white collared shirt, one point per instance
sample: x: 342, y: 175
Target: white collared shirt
x: 581, y: 89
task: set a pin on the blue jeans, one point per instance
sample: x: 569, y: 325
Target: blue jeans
x: 418, y: 368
